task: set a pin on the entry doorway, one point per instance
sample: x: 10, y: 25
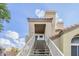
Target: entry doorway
x: 39, y: 36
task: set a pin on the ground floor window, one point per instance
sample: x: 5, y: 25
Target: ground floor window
x: 75, y: 50
x: 75, y: 46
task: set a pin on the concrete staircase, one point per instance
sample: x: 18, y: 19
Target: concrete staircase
x: 40, y: 49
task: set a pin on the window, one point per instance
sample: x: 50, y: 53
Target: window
x: 41, y: 36
x: 74, y: 50
x: 75, y: 46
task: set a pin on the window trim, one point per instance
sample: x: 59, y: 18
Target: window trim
x: 74, y: 44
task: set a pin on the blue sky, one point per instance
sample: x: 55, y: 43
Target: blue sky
x: 69, y: 13
x: 19, y: 13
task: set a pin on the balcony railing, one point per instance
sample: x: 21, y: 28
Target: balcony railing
x: 54, y: 50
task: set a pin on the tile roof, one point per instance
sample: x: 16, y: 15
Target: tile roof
x: 71, y: 28
x: 57, y: 35
x: 40, y: 19
x: 61, y: 32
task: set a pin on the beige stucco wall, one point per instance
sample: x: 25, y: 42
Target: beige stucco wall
x: 48, y: 30
x: 65, y: 42
x: 56, y: 41
x: 61, y: 44
x: 51, y: 14
x: 31, y: 29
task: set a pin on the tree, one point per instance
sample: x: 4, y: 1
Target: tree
x: 4, y: 15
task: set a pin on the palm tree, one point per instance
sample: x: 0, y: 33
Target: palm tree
x: 4, y: 15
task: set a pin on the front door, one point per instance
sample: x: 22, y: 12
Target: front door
x: 39, y: 36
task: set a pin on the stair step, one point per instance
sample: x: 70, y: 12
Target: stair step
x: 40, y: 49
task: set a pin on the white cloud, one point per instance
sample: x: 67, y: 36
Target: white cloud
x: 22, y: 39
x: 21, y: 42
x: 57, y: 16
x: 39, y: 13
x: 12, y: 40
x: 58, y: 19
x: 6, y: 43
x: 12, y: 35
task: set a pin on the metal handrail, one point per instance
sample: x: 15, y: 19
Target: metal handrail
x: 54, y: 50
x: 27, y: 48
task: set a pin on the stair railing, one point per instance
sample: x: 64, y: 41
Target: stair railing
x: 54, y: 50
x: 27, y: 48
